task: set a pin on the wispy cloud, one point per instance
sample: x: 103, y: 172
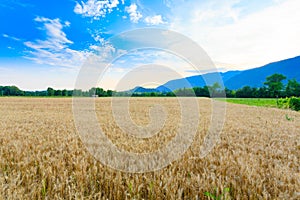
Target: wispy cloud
x: 54, y: 50
x: 134, y: 14
x: 53, y: 28
x: 168, y: 3
x: 154, y: 20
x: 13, y: 4
x: 95, y: 8
x: 11, y: 37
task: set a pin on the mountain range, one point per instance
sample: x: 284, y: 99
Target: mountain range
x: 233, y: 79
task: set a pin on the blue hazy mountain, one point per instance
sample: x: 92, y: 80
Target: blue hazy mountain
x: 237, y: 79
x: 139, y: 89
x: 257, y: 76
x: 197, y: 81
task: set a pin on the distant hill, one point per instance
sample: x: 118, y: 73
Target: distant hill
x: 139, y: 89
x: 197, y: 81
x: 257, y: 76
x: 237, y: 79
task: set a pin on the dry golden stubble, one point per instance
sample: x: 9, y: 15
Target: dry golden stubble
x: 42, y: 157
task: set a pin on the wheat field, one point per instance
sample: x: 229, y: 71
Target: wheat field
x: 42, y: 156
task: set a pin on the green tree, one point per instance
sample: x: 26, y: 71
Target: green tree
x: 201, y: 92
x: 11, y: 91
x: 100, y: 92
x: 229, y: 93
x: 292, y: 88
x: 93, y: 91
x: 153, y: 94
x: 247, y: 92
x: 64, y: 92
x: 216, y: 90
x: 262, y: 92
x: 57, y: 93
x: 77, y: 92
x: 185, y: 92
x: 109, y: 93
x: 170, y: 94
x: 274, y: 84
x: 50, y: 91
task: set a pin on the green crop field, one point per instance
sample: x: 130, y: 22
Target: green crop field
x: 271, y: 102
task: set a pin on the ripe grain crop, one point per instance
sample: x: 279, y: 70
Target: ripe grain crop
x: 42, y: 156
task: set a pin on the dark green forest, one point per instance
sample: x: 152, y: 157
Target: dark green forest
x: 273, y: 87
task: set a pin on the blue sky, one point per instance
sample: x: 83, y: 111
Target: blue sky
x: 44, y: 43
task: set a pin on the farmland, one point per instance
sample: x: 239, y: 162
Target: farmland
x: 42, y: 156
x: 265, y: 102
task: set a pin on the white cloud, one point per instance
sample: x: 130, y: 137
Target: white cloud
x: 113, y: 4
x: 10, y: 37
x: 97, y: 37
x: 95, y: 8
x: 54, y: 50
x: 67, y: 23
x: 154, y: 20
x: 53, y: 28
x: 134, y: 15
x: 243, y: 40
x: 168, y: 3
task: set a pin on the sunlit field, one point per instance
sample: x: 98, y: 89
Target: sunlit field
x: 42, y: 156
x: 265, y: 102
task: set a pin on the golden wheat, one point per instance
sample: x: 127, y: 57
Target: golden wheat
x: 42, y: 156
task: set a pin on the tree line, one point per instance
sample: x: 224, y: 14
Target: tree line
x: 15, y: 91
x: 273, y: 87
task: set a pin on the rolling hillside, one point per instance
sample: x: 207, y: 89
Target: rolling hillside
x: 237, y: 79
